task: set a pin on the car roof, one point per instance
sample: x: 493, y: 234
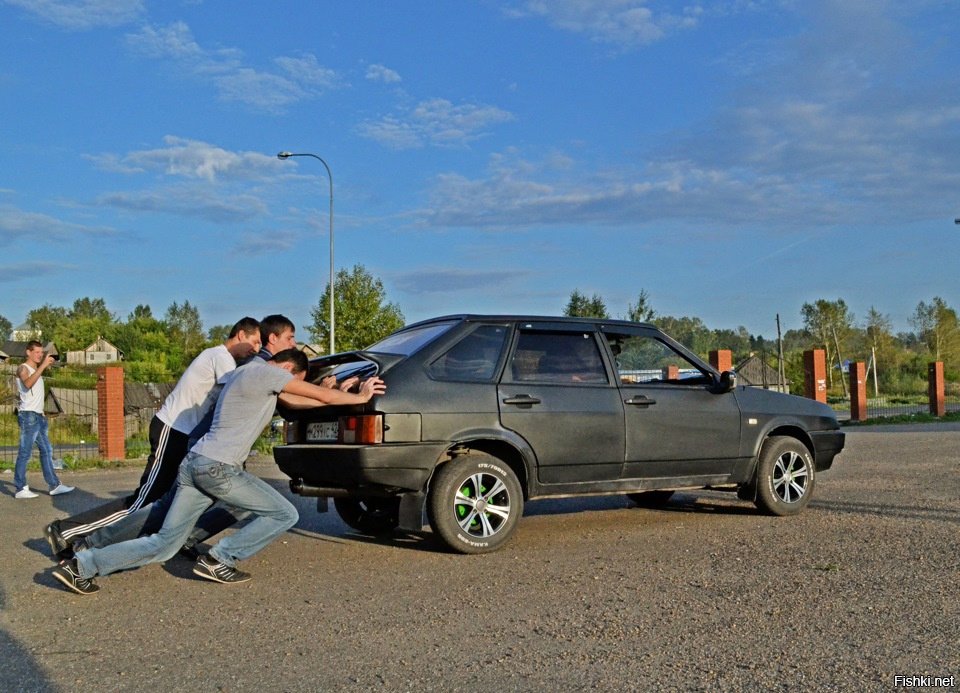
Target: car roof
x: 478, y: 317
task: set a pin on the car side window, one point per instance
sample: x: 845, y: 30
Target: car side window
x: 643, y: 359
x: 473, y: 358
x: 557, y: 357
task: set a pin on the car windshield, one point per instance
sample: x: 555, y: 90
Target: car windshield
x: 408, y: 341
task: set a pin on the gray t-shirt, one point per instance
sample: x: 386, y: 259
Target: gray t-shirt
x: 245, y: 407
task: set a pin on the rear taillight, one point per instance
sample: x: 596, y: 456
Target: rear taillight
x: 366, y: 430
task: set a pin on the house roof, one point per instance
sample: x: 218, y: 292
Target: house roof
x: 145, y: 395
x: 18, y: 350
x: 63, y: 400
x: 753, y: 370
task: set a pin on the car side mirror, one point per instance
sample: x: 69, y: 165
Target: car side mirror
x: 727, y: 381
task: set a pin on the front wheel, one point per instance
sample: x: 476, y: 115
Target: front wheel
x: 475, y: 502
x: 376, y: 516
x: 785, y: 476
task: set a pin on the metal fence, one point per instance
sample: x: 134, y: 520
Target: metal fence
x: 72, y: 418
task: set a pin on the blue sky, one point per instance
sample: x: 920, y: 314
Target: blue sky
x: 733, y: 158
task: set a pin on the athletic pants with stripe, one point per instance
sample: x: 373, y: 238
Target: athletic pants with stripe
x: 168, y: 447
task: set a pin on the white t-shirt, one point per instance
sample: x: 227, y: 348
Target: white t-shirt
x: 31, y: 398
x: 198, y: 389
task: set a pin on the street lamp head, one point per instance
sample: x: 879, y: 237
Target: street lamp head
x: 284, y: 155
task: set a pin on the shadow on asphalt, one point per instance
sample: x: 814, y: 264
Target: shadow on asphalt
x: 20, y: 671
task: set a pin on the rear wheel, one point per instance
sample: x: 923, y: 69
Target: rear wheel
x: 374, y: 515
x: 651, y: 499
x: 785, y: 476
x: 475, y: 502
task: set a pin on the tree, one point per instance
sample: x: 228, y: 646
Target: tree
x: 6, y: 327
x: 185, y: 329
x: 579, y: 306
x: 691, y: 332
x: 218, y: 333
x: 937, y: 326
x: 642, y: 311
x: 363, y: 315
x: 47, y: 320
x: 829, y: 323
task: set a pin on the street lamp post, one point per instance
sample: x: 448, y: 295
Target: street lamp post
x: 287, y: 155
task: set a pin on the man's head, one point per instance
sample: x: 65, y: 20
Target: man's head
x: 244, y: 339
x: 34, y: 351
x: 277, y: 334
x: 292, y: 360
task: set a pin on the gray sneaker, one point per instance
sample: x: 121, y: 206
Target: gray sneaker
x: 207, y: 567
x: 69, y: 574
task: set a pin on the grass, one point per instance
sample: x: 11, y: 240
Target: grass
x: 904, y: 419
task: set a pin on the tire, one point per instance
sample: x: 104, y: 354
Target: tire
x: 475, y: 503
x: 651, y: 499
x: 785, y: 476
x: 374, y: 515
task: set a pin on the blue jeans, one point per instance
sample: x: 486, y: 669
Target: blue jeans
x: 201, y: 482
x: 33, y: 429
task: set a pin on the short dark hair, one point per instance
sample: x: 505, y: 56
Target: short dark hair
x: 33, y: 344
x: 274, y: 324
x: 246, y: 325
x: 294, y: 356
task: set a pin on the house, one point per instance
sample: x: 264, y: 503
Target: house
x: 753, y: 371
x: 17, y: 349
x: 100, y: 352
x: 24, y: 333
x: 311, y: 350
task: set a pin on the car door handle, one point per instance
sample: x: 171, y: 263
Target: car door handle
x: 521, y: 400
x: 640, y: 401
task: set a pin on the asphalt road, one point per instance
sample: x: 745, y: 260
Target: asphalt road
x: 590, y: 594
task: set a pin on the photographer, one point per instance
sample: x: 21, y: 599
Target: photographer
x: 33, y: 424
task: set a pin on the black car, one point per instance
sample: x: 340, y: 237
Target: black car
x: 485, y: 412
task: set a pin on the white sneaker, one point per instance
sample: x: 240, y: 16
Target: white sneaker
x: 25, y: 492
x: 60, y: 490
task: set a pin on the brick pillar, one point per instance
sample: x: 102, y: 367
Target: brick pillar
x: 722, y: 359
x: 815, y: 375
x: 858, y: 391
x: 935, y: 379
x: 110, y: 413
x: 670, y: 373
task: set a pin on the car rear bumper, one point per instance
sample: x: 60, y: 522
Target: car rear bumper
x: 390, y: 465
x: 826, y: 446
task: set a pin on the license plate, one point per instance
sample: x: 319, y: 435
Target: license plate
x: 322, y: 430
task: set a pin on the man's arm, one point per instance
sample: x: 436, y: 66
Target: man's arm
x: 326, y: 395
x: 30, y: 379
x: 292, y: 401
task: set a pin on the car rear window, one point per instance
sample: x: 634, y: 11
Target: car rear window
x: 409, y: 341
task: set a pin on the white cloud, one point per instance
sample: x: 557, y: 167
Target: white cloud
x: 438, y: 280
x: 18, y: 225
x: 257, y: 244
x: 619, y: 22
x: 80, y: 15
x: 10, y: 274
x: 189, y: 201
x: 436, y: 122
x: 379, y: 73
x: 836, y: 131
x: 192, y: 159
x: 296, y: 78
